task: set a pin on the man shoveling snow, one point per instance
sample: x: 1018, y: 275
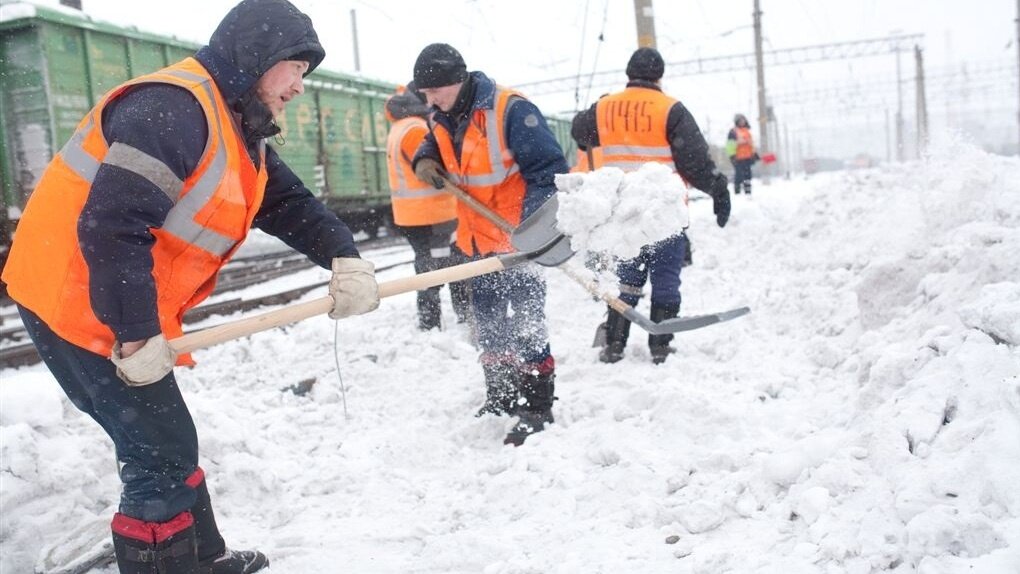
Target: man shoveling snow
x: 628, y: 130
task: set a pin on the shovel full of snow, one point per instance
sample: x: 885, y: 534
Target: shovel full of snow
x: 545, y: 246
x: 538, y: 230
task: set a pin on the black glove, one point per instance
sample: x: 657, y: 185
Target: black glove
x: 721, y: 200
x: 430, y: 171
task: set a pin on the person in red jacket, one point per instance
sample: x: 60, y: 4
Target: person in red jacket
x: 496, y: 145
x: 126, y: 231
x: 426, y: 216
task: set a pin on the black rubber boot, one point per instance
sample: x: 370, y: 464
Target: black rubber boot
x: 659, y: 344
x: 538, y: 387
x: 617, y: 332
x: 500, y: 388
x: 430, y: 314
x: 213, y: 555
x: 155, y: 547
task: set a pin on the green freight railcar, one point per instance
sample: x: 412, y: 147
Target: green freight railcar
x: 55, y: 64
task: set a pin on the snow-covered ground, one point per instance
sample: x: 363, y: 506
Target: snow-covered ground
x: 865, y: 417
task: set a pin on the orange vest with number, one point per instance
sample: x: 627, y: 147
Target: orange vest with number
x: 414, y: 202
x: 632, y: 129
x: 487, y: 171
x: 212, y: 213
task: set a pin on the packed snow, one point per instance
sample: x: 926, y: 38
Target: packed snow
x: 612, y: 212
x: 864, y: 417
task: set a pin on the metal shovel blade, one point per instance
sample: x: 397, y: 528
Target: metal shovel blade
x: 679, y: 324
x: 538, y: 235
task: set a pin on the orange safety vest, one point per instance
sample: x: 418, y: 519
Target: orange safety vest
x: 414, y: 202
x: 487, y: 171
x: 632, y: 130
x: 212, y: 213
x: 745, y: 145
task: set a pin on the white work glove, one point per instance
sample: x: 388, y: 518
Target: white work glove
x: 153, y: 361
x: 353, y: 287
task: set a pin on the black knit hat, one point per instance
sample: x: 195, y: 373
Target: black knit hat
x: 646, y: 64
x: 439, y: 65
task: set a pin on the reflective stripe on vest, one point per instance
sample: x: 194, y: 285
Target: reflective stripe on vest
x: 486, y: 170
x: 180, y: 221
x: 496, y: 176
x: 405, y: 187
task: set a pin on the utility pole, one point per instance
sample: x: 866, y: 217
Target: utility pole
x: 645, y: 19
x: 899, y: 109
x: 354, y: 38
x: 922, y: 104
x: 1018, y: 72
x: 888, y: 146
x: 762, y: 110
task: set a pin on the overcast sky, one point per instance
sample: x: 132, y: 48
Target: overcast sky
x: 530, y: 40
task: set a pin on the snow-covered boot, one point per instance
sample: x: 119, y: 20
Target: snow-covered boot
x: 155, y: 547
x: 659, y: 344
x: 213, y: 555
x: 747, y: 186
x: 500, y: 386
x: 617, y: 331
x: 537, y: 395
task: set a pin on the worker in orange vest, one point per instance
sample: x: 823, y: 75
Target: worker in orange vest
x: 740, y: 149
x: 496, y: 145
x: 127, y: 229
x: 627, y: 129
x: 426, y: 216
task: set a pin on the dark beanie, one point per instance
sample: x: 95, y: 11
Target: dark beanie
x: 439, y: 65
x: 646, y: 64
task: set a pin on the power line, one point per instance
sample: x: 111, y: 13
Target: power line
x: 720, y: 64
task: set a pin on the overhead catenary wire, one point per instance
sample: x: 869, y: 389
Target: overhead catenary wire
x: 598, y: 50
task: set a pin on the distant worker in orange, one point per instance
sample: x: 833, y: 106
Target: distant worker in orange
x: 426, y: 216
x: 740, y: 148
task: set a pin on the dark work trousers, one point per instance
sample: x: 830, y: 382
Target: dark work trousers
x: 661, y: 262
x: 432, y: 250
x: 742, y: 175
x: 151, y: 428
x: 520, y: 337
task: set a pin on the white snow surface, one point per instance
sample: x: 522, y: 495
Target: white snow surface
x: 612, y: 212
x: 864, y: 417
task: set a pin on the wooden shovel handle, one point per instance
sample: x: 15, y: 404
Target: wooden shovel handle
x: 299, y: 311
x: 478, y: 207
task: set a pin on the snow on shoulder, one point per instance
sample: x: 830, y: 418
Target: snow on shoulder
x: 610, y: 211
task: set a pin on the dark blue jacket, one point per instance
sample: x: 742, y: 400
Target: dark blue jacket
x: 167, y: 123
x: 529, y: 139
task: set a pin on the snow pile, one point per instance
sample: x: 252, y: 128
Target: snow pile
x: 608, y: 211
x: 865, y: 417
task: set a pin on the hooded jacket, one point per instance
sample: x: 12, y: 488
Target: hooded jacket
x: 167, y: 123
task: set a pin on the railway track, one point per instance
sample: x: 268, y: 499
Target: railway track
x: 240, y: 273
